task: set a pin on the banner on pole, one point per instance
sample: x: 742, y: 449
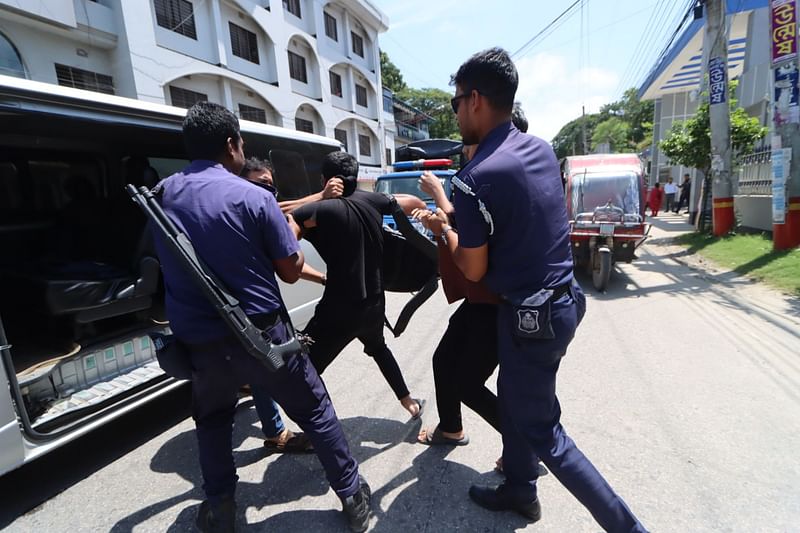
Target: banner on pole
x: 781, y: 161
x: 787, y: 95
x: 717, y: 79
x: 783, y: 20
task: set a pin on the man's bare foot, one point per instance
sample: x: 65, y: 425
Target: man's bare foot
x: 289, y: 442
x: 281, y: 438
x: 426, y: 435
x: 413, y: 406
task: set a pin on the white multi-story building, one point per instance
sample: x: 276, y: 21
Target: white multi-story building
x: 311, y: 65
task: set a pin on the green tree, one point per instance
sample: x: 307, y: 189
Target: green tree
x: 391, y: 78
x: 569, y: 140
x: 688, y: 143
x: 613, y: 131
x: 637, y: 114
x: 436, y: 103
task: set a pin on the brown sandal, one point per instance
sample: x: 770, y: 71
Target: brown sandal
x: 297, y: 443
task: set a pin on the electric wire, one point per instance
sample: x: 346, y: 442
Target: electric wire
x: 566, y: 14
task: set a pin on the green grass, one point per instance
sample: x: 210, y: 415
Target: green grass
x: 750, y: 255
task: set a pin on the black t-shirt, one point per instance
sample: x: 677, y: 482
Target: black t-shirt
x: 349, y: 238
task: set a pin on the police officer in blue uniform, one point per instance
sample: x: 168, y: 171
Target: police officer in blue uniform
x: 238, y: 230
x: 513, y: 235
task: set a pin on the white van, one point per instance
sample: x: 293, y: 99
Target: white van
x: 80, y: 286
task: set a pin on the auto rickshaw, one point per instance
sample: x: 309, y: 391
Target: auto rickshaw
x: 605, y: 206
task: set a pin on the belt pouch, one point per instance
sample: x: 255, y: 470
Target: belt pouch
x: 529, y: 315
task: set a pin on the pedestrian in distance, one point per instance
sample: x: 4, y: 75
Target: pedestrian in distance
x: 241, y: 235
x: 347, y: 234
x: 686, y: 190
x: 513, y: 235
x: 655, y: 197
x: 670, y: 190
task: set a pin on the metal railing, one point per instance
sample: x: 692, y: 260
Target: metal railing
x: 755, y: 173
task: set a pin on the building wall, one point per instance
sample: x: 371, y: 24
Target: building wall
x: 122, y: 39
x: 754, y: 96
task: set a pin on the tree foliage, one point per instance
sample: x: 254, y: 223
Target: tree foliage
x: 613, y: 131
x: 688, y: 142
x: 391, y: 77
x: 436, y: 103
x: 629, y: 114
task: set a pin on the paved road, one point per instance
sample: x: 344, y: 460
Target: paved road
x: 683, y: 391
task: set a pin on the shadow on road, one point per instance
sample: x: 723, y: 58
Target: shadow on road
x: 417, y: 496
x: 35, y: 483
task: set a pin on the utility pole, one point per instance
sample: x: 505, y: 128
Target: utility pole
x: 716, y: 42
x: 786, y: 126
x: 583, y: 130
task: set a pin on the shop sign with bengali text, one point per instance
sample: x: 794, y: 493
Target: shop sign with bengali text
x: 784, y: 29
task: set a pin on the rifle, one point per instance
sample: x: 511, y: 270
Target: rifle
x: 255, y: 341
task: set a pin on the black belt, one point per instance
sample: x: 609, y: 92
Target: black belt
x: 558, y: 291
x: 561, y: 290
x: 260, y: 320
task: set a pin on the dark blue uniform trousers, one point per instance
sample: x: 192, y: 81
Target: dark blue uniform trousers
x: 530, y: 414
x: 219, y: 369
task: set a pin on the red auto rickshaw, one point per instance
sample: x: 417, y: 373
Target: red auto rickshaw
x: 605, y: 196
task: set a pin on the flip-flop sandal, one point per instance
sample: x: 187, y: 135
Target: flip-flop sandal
x: 421, y: 404
x: 437, y: 438
x: 299, y: 443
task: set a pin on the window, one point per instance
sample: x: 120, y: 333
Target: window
x: 84, y: 79
x: 177, y: 16
x: 244, y: 43
x: 388, y: 104
x: 361, y: 95
x: 293, y: 7
x: 364, y: 147
x: 10, y: 62
x: 185, y: 98
x: 358, y: 44
x: 330, y: 27
x: 341, y: 136
x: 336, y: 84
x: 254, y: 114
x: 388, y: 156
x: 297, y: 67
x: 301, y: 124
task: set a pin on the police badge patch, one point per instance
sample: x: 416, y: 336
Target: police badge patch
x: 528, y: 320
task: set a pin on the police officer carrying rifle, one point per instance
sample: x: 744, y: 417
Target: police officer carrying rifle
x: 513, y: 235
x: 240, y: 234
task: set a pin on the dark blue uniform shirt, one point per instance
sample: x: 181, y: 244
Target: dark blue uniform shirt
x: 518, y: 179
x: 237, y: 229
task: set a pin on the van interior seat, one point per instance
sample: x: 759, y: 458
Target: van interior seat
x: 85, y: 288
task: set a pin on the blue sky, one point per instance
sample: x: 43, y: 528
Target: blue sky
x: 429, y: 39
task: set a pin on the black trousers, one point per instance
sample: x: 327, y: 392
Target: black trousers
x: 336, y: 324
x: 463, y: 361
x: 219, y: 369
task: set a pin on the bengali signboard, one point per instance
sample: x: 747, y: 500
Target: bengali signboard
x: 781, y: 161
x: 784, y: 29
x: 716, y: 79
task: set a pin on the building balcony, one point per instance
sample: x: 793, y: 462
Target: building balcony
x: 410, y: 132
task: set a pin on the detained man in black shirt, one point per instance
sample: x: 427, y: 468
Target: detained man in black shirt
x: 347, y: 234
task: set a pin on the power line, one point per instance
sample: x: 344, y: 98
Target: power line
x: 640, y: 53
x: 566, y: 13
x: 672, y: 37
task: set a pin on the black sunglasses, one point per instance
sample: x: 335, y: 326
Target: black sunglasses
x: 455, y: 101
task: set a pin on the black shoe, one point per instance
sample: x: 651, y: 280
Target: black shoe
x: 500, y: 500
x: 220, y: 518
x: 357, y: 507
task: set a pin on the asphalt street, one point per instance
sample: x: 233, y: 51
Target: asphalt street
x: 683, y: 389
